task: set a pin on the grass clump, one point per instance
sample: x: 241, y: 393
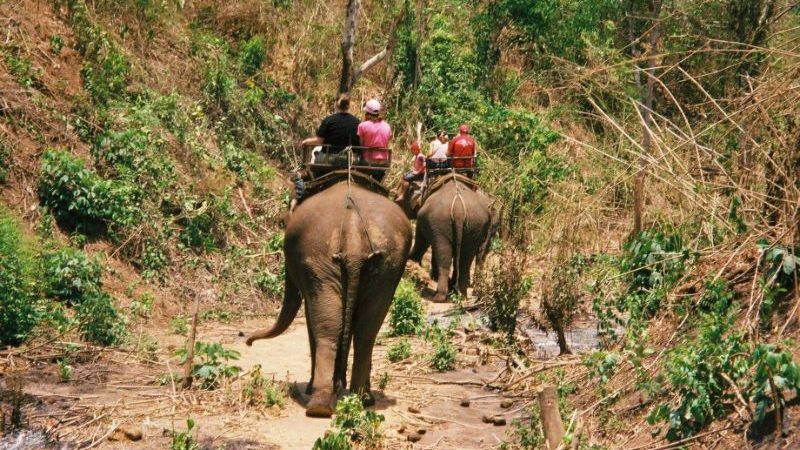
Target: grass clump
x: 19, y: 313
x: 399, y: 351
x: 407, y: 315
x: 252, y: 55
x: 260, y: 391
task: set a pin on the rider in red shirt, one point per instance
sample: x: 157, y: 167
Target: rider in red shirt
x: 462, y: 149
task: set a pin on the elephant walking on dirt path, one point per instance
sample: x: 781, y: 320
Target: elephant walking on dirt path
x: 346, y: 249
x: 457, y: 222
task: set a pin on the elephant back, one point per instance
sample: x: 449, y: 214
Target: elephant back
x: 441, y: 181
x: 332, y: 178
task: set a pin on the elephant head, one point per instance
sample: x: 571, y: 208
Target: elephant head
x: 345, y: 250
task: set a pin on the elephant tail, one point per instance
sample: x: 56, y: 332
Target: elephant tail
x: 291, y: 304
x: 351, y: 275
x: 458, y: 237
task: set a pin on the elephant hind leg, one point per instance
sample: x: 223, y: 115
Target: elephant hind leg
x: 464, y: 280
x: 366, y: 324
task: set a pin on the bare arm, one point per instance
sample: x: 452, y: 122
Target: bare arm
x: 316, y: 140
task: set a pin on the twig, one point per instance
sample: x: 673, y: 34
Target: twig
x: 187, y: 368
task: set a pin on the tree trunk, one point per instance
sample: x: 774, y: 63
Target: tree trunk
x: 552, y: 426
x: 645, y: 108
x: 421, y: 6
x: 563, y: 347
x: 348, y: 41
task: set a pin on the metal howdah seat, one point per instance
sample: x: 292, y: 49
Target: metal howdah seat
x: 466, y: 165
x: 322, y: 159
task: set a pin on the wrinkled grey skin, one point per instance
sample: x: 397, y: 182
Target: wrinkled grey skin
x: 458, y: 224
x: 347, y: 288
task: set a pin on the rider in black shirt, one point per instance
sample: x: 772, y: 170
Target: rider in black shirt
x: 338, y: 130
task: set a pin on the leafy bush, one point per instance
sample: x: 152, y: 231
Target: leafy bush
x: 133, y: 156
x: 444, y: 353
x: 399, y: 351
x: 80, y: 199
x: 212, y: 367
x: 335, y: 440
x: 98, y: 320
x: 69, y: 274
x: 251, y: 55
x: 699, y: 370
x: 18, y: 297
x: 205, y: 223
x: 218, y: 83
x: 56, y: 44
x: 106, y: 79
x: 183, y: 440
x: 22, y: 70
x: 358, y: 425
x: 407, y: 315
x: 561, y: 295
x: 775, y: 373
x: 270, y: 283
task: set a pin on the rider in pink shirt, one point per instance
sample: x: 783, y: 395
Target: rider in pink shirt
x: 374, y: 132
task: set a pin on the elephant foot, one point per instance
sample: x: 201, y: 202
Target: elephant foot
x: 367, y: 399
x: 320, y: 405
x: 439, y: 298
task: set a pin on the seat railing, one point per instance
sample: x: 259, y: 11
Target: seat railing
x: 328, y: 157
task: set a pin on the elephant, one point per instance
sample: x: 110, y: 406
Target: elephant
x: 345, y: 250
x: 458, y: 223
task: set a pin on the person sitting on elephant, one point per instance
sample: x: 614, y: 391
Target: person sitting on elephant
x: 375, y: 133
x: 338, y: 131
x: 462, y: 150
x: 417, y: 171
x: 437, y: 151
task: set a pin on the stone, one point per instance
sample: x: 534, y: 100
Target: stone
x: 498, y: 421
x: 413, y: 437
x: 421, y: 431
x: 402, y: 428
x: 486, y: 419
x: 505, y: 404
x: 413, y: 409
x: 130, y: 432
x: 465, y: 402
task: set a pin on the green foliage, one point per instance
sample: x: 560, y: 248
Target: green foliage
x: 358, y: 425
x: 407, y: 315
x: 64, y: 370
x: 80, y: 199
x: 335, y: 440
x: 19, y: 311
x: 260, y: 391
x: 56, y: 44
x: 183, y: 440
x: 106, y: 79
x: 178, y: 325
x: 602, y: 366
x: 444, y: 353
x: 70, y: 274
x: 143, y: 306
x: 133, y: 155
x: 98, y: 320
x: 270, y: 283
x: 21, y: 69
x: 399, y: 351
x: 205, y: 223
x: 775, y: 374
x: 782, y: 263
x: 218, y: 83
x: 251, y: 55
x: 527, y: 434
x: 210, y: 366
x: 699, y: 370
x: 512, y: 132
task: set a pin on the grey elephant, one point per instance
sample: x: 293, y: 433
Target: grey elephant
x: 345, y: 250
x: 458, y: 223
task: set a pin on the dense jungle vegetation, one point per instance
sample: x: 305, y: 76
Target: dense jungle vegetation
x: 645, y: 156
